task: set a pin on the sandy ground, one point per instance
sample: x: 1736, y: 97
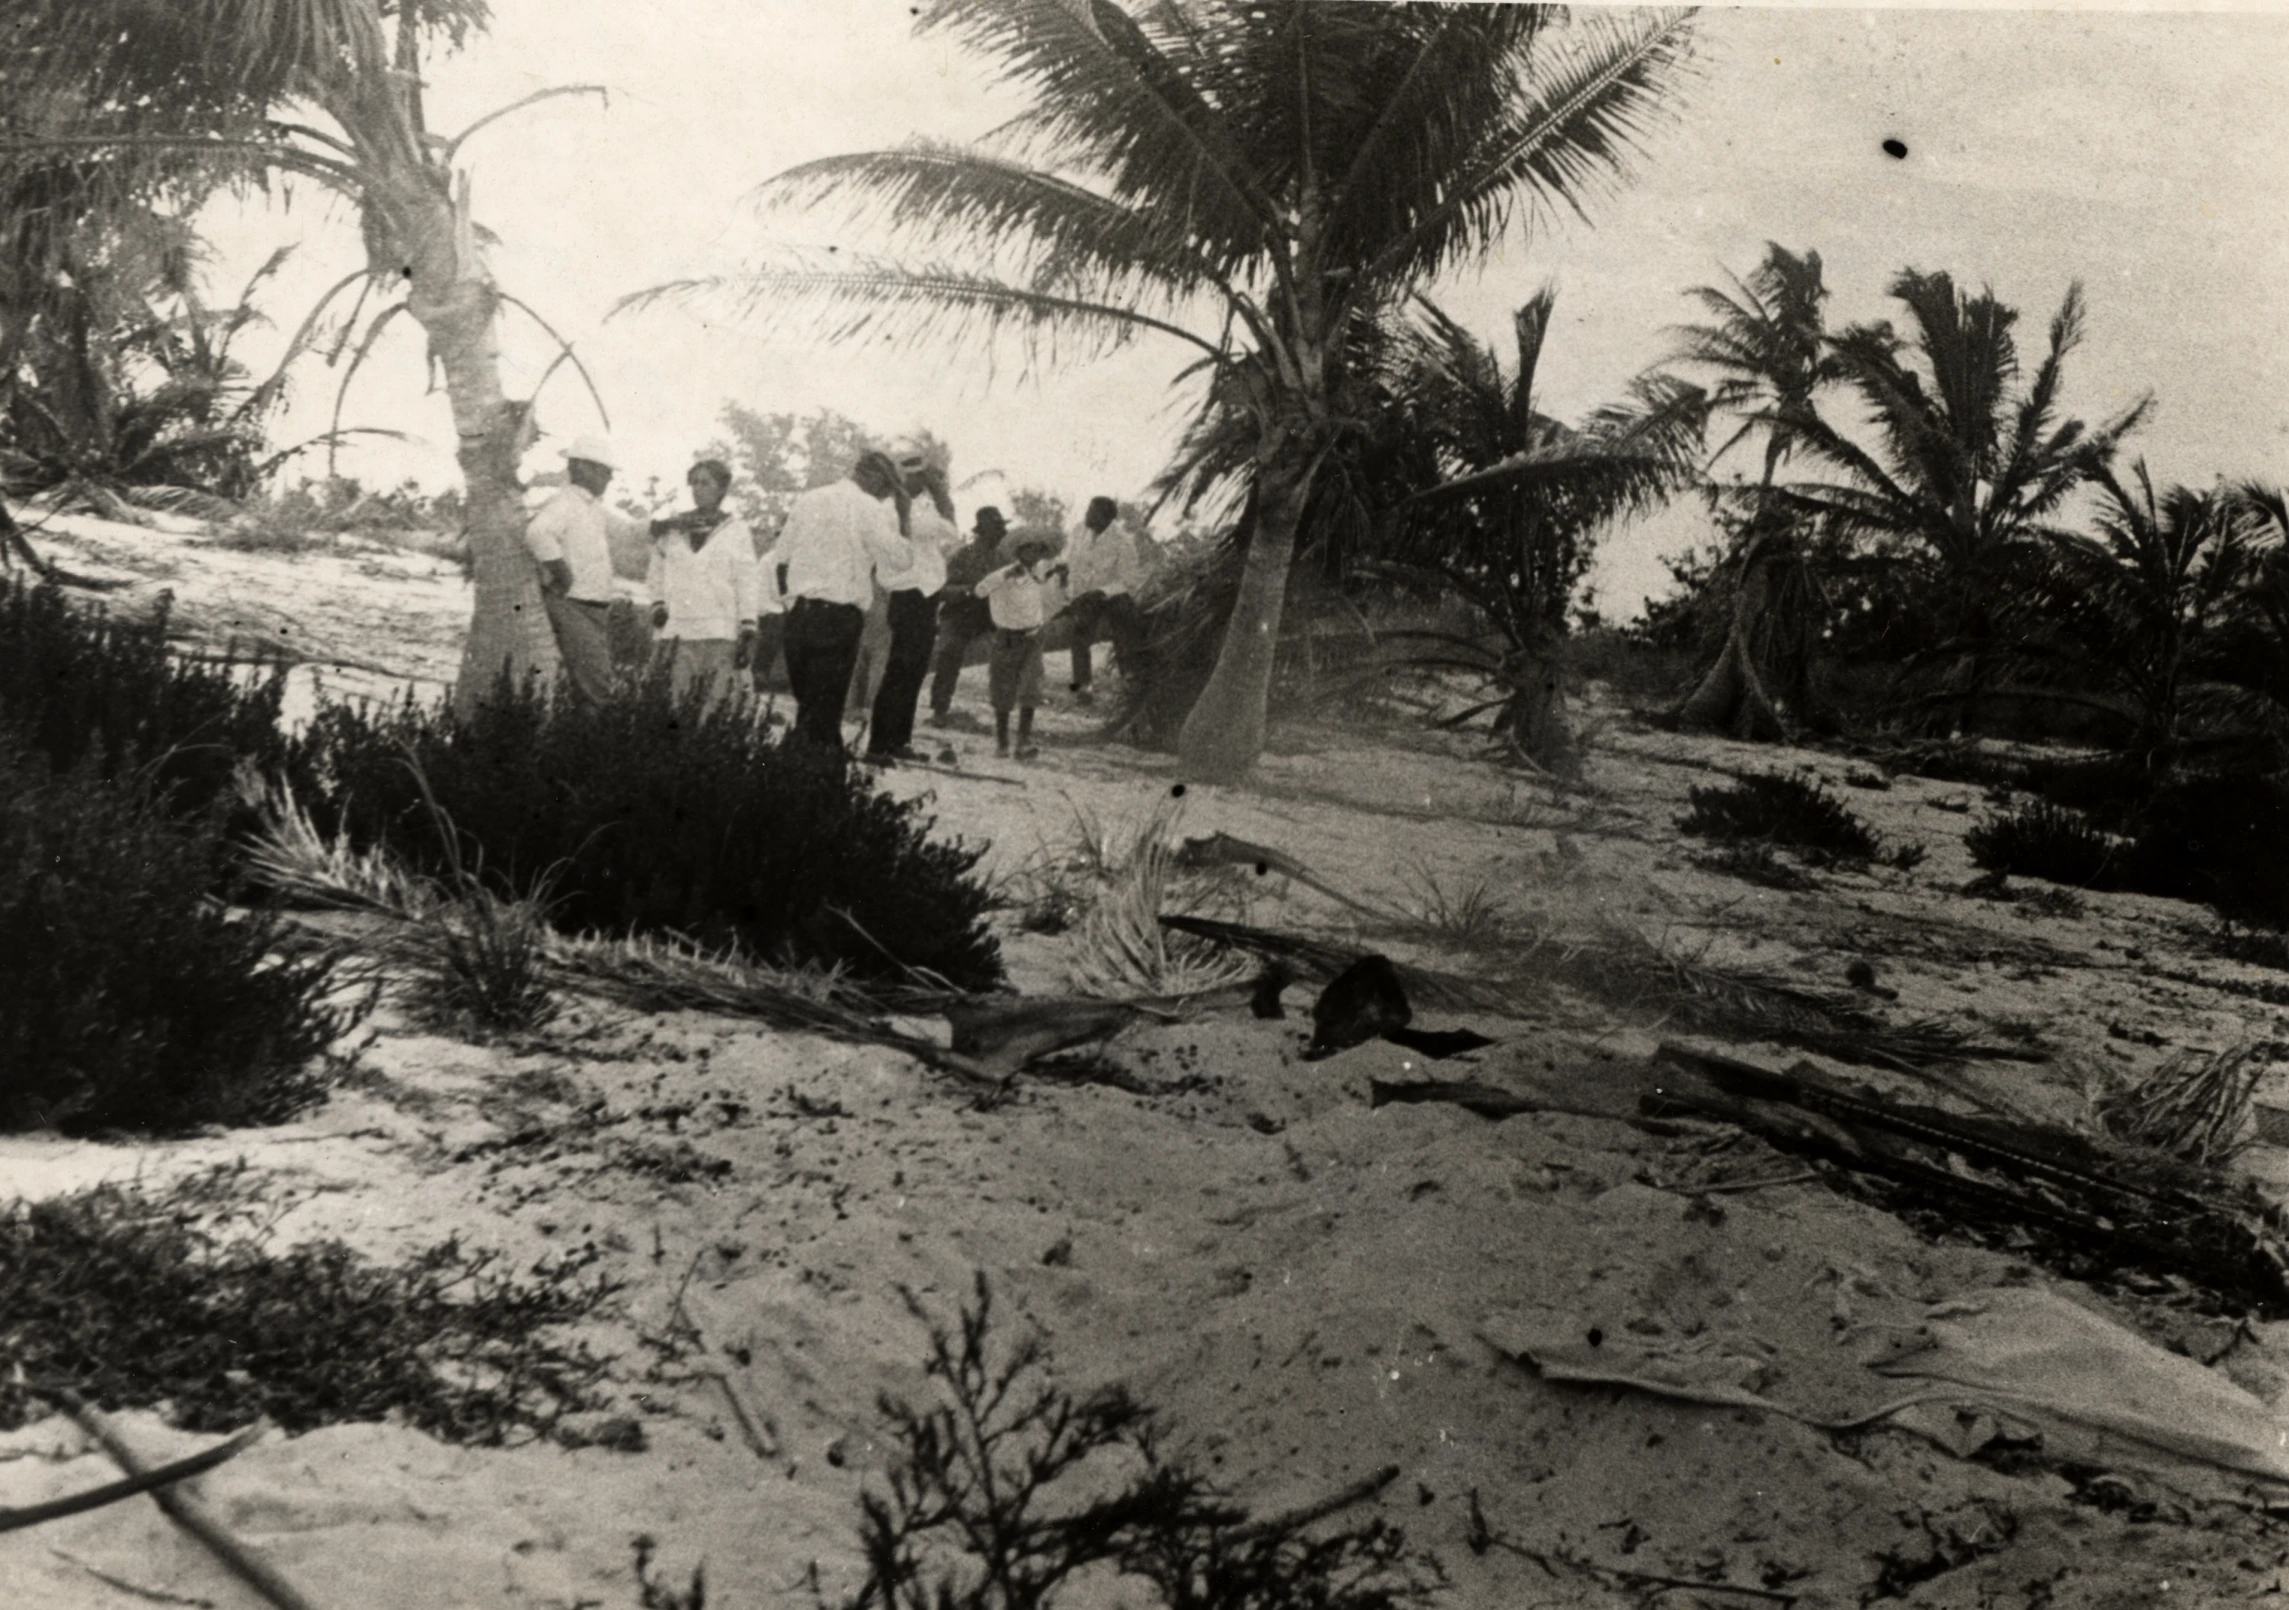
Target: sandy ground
x: 1303, y: 1284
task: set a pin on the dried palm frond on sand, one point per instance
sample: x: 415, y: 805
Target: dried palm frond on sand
x: 1636, y: 975
x: 2196, y: 1106
x: 1121, y: 947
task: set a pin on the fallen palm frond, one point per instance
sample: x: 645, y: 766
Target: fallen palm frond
x: 288, y: 855
x: 1121, y: 948
x: 1638, y: 976
x: 2196, y: 1106
x: 2082, y: 1204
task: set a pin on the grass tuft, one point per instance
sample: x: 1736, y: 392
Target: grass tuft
x: 2050, y: 842
x: 1783, y: 810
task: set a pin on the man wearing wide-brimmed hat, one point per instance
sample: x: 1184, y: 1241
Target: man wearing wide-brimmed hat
x: 570, y: 537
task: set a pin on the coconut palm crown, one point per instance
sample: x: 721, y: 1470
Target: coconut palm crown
x: 1249, y: 178
x: 1964, y: 465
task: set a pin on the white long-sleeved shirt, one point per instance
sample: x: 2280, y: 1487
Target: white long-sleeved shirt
x: 710, y: 594
x: 576, y: 528
x: 1015, y: 597
x: 835, y: 540
x: 931, y: 534
x: 1103, y: 561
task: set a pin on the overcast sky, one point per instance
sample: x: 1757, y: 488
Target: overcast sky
x: 2140, y: 152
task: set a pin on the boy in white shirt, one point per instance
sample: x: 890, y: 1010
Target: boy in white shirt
x: 1016, y: 597
x: 706, y: 587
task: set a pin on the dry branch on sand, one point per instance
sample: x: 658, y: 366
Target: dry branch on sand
x: 2196, y: 1106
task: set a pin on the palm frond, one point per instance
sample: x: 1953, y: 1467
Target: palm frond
x: 1057, y: 233
x: 845, y: 296
x: 1574, y: 130
x: 1104, y: 89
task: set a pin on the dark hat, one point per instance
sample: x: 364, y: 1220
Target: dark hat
x: 989, y: 522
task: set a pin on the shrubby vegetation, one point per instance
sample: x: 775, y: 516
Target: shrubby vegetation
x: 647, y: 816
x: 84, y: 688
x: 128, y: 998
x: 148, y: 1296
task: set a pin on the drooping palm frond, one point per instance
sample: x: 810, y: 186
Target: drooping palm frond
x: 1056, y: 233
x: 846, y: 296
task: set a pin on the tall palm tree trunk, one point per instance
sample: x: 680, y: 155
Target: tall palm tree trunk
x: 417, y: 229
x: 1224, y: 733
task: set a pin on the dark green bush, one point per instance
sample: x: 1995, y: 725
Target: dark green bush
x: 1777, y: 809
x: 127, y: 998
x: 80, y: 685
x: 654, y: 816
x: 141, y: 1297
x: 2220, y: 840
x: 2048, y: 841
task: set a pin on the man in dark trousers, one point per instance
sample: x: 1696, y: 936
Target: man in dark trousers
x: 1102, y: 573
x: 836, y: 537
x: 963, y: 617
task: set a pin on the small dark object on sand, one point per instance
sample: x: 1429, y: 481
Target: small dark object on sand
x: 1363, y: 1001
x: 1861, y: 975
x: 1270, y: 984
x: 1438, y: 1044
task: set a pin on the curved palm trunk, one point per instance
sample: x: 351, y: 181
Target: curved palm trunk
x: 419, y: 231
x: 1224, y: 734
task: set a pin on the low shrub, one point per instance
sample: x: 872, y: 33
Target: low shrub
x: 1779, y: 809
x: 84, y: 686
x: 654, y: 815
x: 1010, y: 1488
x: 2050, y: 842
x: 2218, y: 840
x: 138, y: 1297
x: 128, y: 999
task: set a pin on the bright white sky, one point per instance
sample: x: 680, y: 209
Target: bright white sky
x: 2141, y: 152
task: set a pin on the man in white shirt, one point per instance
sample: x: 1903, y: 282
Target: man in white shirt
x: 1017, y: 598
x: 913, y: 591
x: 836, y: 538
x: 1102, y: 572
x: 706, y: 588
x: 570, y: 537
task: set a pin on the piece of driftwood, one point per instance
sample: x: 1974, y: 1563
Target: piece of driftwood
x: 2136, y: 1208
x: 187, y: 1510
x: 111, y: 1492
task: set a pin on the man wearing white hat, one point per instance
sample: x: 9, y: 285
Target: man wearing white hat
x: 570, y: 537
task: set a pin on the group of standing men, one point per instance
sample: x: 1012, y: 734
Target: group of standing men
x: 719, y: 608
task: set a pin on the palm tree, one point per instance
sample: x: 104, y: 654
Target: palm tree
x: 1965, y: 466
x: 2121, y: 620
x: 1768, y: 347
x: 1518, y: 502
x: 228, y: 84
x: 1253, y: 179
